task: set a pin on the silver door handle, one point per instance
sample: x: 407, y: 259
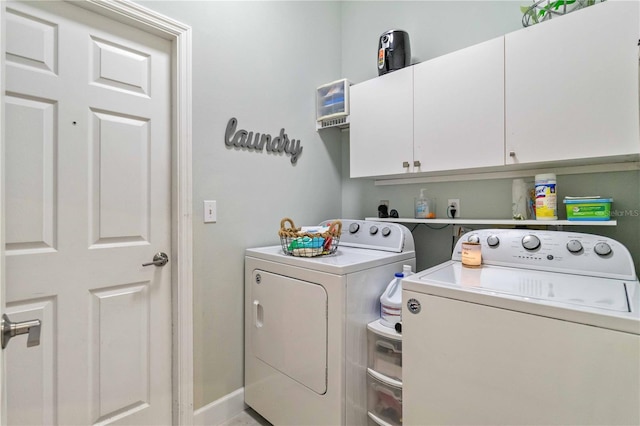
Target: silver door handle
x: 160, y: 259
x: 11, y: 329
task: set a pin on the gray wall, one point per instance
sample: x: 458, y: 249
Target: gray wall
x: 259, y: 62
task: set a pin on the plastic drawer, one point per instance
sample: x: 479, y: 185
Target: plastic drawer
x: 332, y: 99
x: 384, y: 398
x: 384, y: 350
x: 373, y: 420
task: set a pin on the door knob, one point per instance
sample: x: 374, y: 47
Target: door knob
x: 160, y: 259
x: 11, y: 329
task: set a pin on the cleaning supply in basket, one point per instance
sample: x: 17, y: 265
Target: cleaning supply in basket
x: 546, y: 199
x: 306, y: 242
x: 391, y: 302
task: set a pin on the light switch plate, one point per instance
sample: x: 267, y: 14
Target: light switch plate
x: 210, y: 211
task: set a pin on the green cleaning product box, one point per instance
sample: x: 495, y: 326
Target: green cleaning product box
x: 588, y: 208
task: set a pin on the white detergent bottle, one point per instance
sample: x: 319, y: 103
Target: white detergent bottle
x: 391, y: 302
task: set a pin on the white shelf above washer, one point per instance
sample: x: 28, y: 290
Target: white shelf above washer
x: 508, y: 222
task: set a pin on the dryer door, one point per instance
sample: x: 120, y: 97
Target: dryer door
x: 289, y: 330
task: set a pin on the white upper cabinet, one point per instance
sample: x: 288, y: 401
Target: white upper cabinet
x: 564, y: 91
x: 459, y: 109
x: 381, y: 130
x: 571, y: 87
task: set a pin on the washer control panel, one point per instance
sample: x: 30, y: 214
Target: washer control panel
x: 372, y: 235
x: 570, y: 252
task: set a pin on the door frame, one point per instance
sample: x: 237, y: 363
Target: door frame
x: 179, y: 35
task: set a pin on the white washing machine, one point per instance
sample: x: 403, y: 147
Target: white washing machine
x: 546, y: 331
x: 305, y: 324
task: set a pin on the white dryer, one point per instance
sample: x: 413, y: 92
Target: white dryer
x: 305, y: 324
x: 546, y: 331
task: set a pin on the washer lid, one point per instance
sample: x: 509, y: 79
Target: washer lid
x: 577, y: 290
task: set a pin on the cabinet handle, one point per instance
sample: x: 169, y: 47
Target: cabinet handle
x: 405, y: 164
x: 512, y: 153
x: 416, y: 163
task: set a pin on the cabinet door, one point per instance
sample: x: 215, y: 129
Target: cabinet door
x: 381, y: 129
x: 571, y: 87
x: 459, y: 108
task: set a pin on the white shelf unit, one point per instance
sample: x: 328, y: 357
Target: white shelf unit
x: 505, y: 222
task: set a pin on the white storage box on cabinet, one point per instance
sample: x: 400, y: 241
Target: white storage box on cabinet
x: 332, y: 104
x: 384, y: 400
x: 384, y: 350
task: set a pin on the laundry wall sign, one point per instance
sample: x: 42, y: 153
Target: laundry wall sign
x: 243, y: 139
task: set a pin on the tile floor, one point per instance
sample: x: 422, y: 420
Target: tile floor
x: 247, y: 418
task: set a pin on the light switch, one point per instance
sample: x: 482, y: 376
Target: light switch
x: 210, y: 211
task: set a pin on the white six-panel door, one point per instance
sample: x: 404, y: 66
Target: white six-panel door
x: 87, y: 178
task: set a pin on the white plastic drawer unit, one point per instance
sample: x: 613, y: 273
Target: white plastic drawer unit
x: 384, y: 398
x: 384, y: 350
x: 332, y: 100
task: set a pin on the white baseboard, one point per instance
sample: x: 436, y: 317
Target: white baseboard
x: 220, y: 410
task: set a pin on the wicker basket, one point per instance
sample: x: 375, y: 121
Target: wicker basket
x: 304, y: 244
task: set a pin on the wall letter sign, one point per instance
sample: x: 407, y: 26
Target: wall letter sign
x: 258, y: 142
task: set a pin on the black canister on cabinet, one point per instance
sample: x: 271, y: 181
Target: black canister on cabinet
x: 394, y: 51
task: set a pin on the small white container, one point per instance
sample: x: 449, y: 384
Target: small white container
x: 384, y: 398
x: 384, y: 350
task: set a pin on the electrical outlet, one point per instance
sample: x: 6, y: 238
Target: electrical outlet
x: 453, y: 203
x: 384, y: 203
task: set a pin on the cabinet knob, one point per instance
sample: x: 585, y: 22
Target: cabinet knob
x: 512, y: 153
x: 416, y: 163
x: 405, y: 164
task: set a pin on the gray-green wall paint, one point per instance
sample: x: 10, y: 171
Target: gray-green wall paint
x: 261, y: 62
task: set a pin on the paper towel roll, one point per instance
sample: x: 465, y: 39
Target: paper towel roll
x: 519, y: 196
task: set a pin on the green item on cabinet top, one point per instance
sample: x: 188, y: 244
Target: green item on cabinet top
x: 541, y: 10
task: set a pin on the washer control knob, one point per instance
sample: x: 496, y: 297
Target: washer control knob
x: 574, y: 246
x: 602, y: 249
x: 386, y: 231
x: 530, y: 242
x: 353, y: 228
x: 493, y: 241
x: 474, y: 238
x: 373, y: 230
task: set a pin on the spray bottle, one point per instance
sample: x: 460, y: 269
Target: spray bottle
x: 422, y: 206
